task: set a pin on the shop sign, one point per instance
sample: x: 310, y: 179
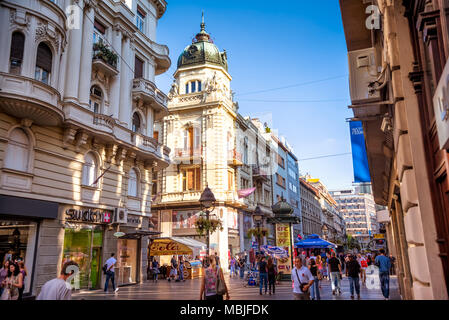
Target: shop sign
x: 283, y: 241
x: 162, y: 247
x: 379, y: 236
x: 134, y: 221
x: 89, y: 215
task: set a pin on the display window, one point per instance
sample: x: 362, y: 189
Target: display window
x: 17, y: 243
x: 127, y: 261
x: 83, y: 244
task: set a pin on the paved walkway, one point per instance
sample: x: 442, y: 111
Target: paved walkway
x: 189, y: 290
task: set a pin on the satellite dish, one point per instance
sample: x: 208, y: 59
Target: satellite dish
x: 119, y: 234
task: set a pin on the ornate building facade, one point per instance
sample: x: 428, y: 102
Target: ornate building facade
x: 77, y: 153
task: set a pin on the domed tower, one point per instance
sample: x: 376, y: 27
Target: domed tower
x: 200, y: 131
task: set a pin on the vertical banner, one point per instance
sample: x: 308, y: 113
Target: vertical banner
x: 359, y: 158
x: 283, y: 241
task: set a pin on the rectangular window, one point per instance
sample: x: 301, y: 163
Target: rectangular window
x: 99, y: 32
x: 281, y: 161
x: 154, y: 181
x: 230, y: 180
x: 191, y: 179
x: 138, y: 68
x: 193, y: 84
x: 140, y: 19
x: 199, y: 86
x: 187, y: 88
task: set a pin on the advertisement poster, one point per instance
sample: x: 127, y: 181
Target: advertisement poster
x: 359, y: 158
x: 185, y: 219
x: 283, y: 241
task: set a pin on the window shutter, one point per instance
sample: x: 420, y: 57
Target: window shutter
x: 44, y: 57
x: 138, y: 68
x: 197, y: 138
x: 17, y: 44
x: 190, y: 179
x: 198, y: 178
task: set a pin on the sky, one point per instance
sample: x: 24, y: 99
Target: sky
x: 296, y: 45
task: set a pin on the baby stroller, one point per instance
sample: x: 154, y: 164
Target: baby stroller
x: 251, y: 278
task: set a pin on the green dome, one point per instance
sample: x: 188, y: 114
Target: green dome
x: 202, y: 51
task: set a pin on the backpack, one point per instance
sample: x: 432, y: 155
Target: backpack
x: 105, y: 268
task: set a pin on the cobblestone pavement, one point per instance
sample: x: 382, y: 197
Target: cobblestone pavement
x: 189, y: 290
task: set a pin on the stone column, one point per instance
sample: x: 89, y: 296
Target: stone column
x: 86, y: 56
x: 125, y: 83
x: 5, y: 38
x: 74, y: 58
x: 150, y: 121
x: 115, y: 83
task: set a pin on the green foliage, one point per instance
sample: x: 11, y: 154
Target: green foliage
x: 352, y: 243
x: 258, y: 233
x: 102, y: 51
x: 204, y: 225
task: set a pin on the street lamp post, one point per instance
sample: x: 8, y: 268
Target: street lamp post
x: 207, y: 201
x: 258, y: 219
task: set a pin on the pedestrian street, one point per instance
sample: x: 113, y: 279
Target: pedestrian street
x: 189, y: 290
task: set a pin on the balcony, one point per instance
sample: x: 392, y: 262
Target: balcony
x: 188, y: 154
x: 24, y: 97
x: 147, y: 91
x: 187, y: 196
x: 104, y: 59
x: 103, y: 123
x: 234, y: 158
x: 259, y: 173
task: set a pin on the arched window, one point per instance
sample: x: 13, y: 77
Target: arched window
x: 132, y: 183
x: 16, y: 55
x: 18, y: 151
x: 90, y: 170
x: 136, y: 122
x: 96, y: 99
x: 43, y: 63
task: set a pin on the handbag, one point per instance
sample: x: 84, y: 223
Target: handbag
x: 220, y: 288
x: 301, y: 284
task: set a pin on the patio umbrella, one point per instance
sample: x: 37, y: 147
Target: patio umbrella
x: 314, y: 241
x: 276, y: 251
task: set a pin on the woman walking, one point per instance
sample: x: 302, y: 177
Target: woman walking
x: 272, y: 272
x: 12, y: 283
x: 212, y: 281
x: 319, y: 264
x: 314, y: 289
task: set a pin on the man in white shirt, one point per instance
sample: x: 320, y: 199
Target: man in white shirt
x: 110, y: 273
x: 302, y: 280
x: 59, y: 288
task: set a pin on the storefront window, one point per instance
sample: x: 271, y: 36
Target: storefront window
x: 83, y: 244
x: 17, y: 242
x: 127, y: 261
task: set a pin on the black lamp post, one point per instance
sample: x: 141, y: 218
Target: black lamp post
x: 258, y: 219
x: 207, y: 202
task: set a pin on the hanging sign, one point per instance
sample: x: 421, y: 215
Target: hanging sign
x: 359, y: 157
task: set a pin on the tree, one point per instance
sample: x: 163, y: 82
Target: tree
x: 352, y: 243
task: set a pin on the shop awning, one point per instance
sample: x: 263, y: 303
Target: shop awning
x: 139, y: 234
x: 174, y: 246
x: 313, y: 241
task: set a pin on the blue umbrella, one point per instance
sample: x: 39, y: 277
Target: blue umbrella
x: 314, y: 241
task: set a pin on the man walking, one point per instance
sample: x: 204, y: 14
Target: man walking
x: 384, y: 265
x: 181, y: 270
x: 58, y: 288
x: 110, y: 273
x: 263, y: 275
x: 302, y: 280
x: 353, y: 270
x: 242, y: 268
x: 335, y: 273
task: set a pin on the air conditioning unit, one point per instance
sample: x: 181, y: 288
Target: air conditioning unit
x: 121, y: 215
x: 363, y: 70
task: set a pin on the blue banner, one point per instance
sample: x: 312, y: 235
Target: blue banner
x: 359, y: 158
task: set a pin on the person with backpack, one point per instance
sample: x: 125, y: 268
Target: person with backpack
x: 213, y: 286
x: 363, y: 265
x: 384, y: 265
x: 109, y: 269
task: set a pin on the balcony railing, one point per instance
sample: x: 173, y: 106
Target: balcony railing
x: 149, y: 92
x: 188, y: 152
x: 260, y: 173
x: 104, y: 121
x: 234, y: 158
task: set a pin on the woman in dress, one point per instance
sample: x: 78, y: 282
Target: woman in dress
x: 3, y: 274
x: 209, y: 285
x: 12, y: 283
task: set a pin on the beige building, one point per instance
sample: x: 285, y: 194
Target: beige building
x: 398, y: 58
x: 212, y: 145
x: 310, y: 209
x: 77, y: 153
